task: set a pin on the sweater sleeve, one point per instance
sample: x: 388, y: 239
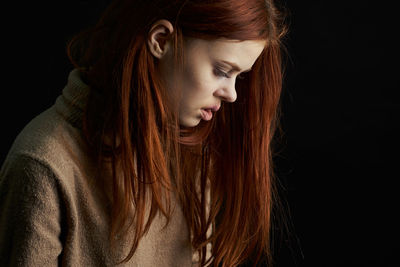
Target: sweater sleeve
x: 30, y: 214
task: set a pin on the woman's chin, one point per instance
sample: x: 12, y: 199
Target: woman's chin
x: 189, y: 122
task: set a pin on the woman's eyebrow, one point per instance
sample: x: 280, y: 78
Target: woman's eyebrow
x: 235, y: 67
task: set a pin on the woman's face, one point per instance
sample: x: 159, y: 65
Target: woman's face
x: 208, y: 77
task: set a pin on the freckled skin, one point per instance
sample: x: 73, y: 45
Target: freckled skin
x: 206, y: 80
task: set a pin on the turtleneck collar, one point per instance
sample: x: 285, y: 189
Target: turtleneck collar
x: 71, y: 103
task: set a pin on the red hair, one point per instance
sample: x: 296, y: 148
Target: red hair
x: 231, y: 156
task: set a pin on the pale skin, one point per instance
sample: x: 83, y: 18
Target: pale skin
x: 209, y: 73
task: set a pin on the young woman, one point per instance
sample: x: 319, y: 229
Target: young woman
x: 158, y: 152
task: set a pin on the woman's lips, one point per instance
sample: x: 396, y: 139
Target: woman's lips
x: 214, y: 108
x: 206, y: 114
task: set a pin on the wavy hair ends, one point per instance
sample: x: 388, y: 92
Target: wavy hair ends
x: 134, y: 128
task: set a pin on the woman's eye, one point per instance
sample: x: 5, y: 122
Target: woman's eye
x: 221, y: 73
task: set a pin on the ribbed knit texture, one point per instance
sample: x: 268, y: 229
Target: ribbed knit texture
x: 53, y: 210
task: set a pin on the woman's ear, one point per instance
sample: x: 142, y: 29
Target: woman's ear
x: 158, y: 38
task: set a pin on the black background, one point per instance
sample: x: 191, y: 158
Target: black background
x: 339, y: 159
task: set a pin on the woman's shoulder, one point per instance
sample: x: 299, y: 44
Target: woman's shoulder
x: 54, y: 137
x: 49, y: 149
x: 41, y: 183
x: 47, y: 138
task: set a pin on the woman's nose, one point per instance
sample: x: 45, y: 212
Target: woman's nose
x: 227, y: 91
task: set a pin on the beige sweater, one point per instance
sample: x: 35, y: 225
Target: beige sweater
x: 53, y: 211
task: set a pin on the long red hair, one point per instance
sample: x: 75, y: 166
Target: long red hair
x: 231, y: 156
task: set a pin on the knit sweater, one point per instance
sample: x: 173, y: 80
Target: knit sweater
x: 53, y: 210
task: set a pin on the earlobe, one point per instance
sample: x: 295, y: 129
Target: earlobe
x: 158, y: 38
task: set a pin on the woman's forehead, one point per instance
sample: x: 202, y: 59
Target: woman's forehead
x: 241, y: 53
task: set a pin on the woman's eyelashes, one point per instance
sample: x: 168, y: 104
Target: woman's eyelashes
x: 220, y: 73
